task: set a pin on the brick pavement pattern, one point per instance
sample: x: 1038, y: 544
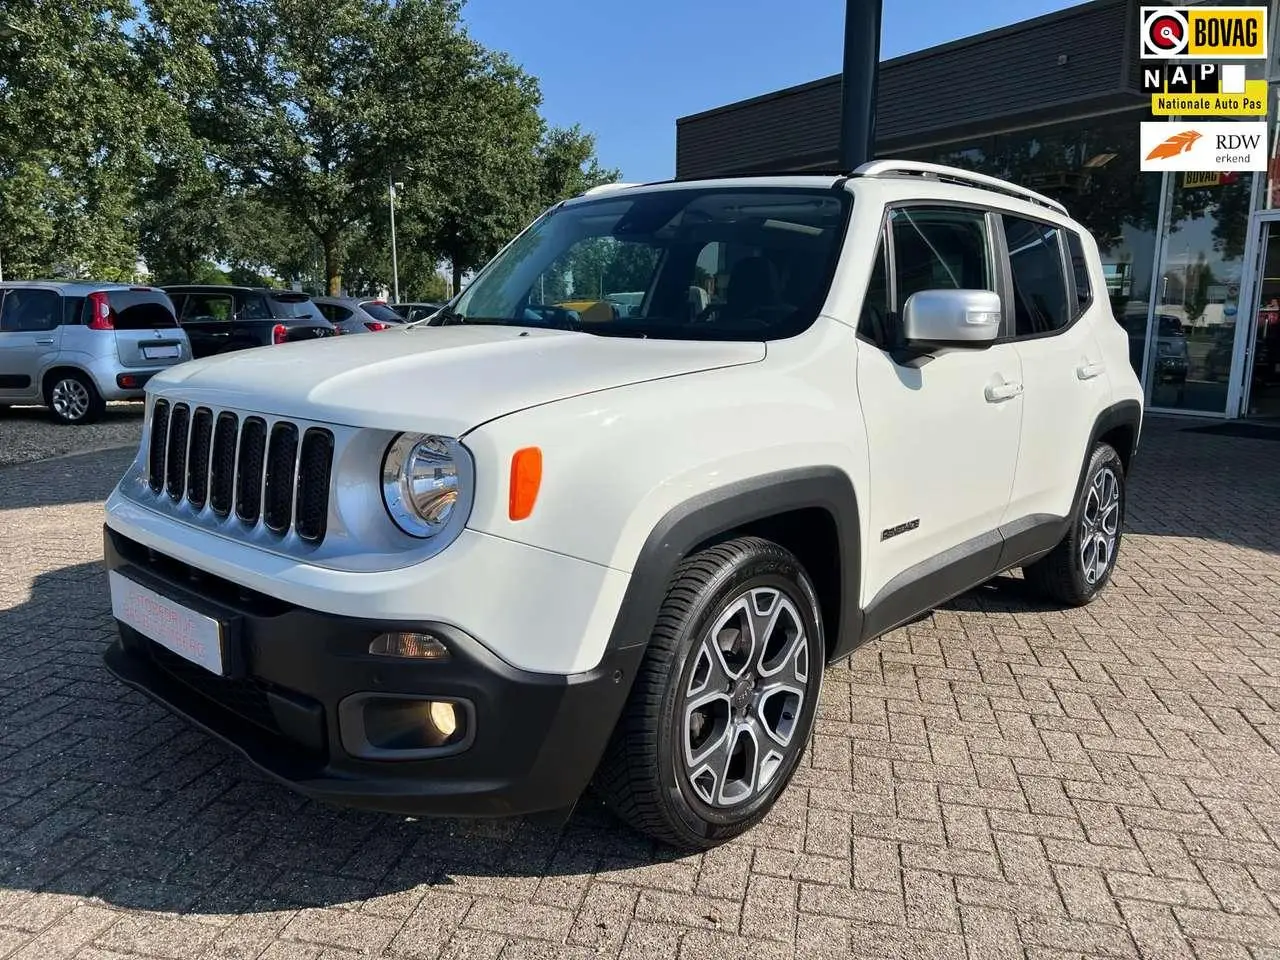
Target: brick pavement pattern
x: 999, y: 780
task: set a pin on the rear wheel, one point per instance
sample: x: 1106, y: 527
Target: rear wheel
x: 73, y: 398
x: 1082, y: 564
x: 725, y: 700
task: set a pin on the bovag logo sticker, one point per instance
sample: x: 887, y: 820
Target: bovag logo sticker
x: 1238, y: 33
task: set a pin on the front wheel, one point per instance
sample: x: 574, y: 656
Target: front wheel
x: 1082, y: 564
x: 724, y: 702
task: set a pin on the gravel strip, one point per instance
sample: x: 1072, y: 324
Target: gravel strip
x: 28, y: 434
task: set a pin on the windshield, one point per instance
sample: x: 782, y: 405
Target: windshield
x: 699, y: 263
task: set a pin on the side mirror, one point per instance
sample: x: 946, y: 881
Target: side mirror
x: 959, y: 318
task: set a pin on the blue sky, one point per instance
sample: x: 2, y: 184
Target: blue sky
x: 626, y: 71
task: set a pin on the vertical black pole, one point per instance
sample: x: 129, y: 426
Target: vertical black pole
x: 861, y: 69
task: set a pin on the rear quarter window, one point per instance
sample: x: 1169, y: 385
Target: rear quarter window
x: 142, y: 309
x: 380, y: 311
x: 296, y: 307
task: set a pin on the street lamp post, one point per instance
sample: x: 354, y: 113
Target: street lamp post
x: 393, y: 186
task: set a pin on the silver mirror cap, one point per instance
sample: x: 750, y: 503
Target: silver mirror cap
x: 952, y: 316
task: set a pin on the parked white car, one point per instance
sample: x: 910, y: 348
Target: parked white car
x: 467, y: 568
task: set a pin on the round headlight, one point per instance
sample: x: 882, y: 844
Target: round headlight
x: 422, y: 483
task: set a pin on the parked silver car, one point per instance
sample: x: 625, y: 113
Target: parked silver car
x: 350, y: 315
x: 74, y: 346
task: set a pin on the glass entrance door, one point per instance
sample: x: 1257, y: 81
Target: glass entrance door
x: 1262, y: 361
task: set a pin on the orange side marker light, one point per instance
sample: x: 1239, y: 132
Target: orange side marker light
x: 526, y: 478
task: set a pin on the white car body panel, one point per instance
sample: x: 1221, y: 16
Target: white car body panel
x: 438, y: 380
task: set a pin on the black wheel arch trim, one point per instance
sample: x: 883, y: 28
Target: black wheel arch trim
x: 1126, y: 413
x: 709, y: 516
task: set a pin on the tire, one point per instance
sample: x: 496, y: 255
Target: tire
x: 1079, y: 567
x: 73, y: 398
x: 667, y: 772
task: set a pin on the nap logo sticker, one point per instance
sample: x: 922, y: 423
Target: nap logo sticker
x: 1203, y: 32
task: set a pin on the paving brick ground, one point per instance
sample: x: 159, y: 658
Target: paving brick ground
x: 1000, y: 780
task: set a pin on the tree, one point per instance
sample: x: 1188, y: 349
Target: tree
x: 312, y: 102
x: 74, y: 98
x: 1198, y: 277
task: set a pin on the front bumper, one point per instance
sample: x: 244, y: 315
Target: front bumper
x: 534, y: 745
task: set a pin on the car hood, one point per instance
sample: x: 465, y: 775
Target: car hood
x: 443, y: 380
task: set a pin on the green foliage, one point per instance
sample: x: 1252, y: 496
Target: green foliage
x: 258, y: 139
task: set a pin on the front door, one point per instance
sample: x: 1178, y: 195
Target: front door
x: 943, y: 435
x: 1066, y: 383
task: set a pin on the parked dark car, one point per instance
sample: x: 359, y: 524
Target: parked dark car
x: 219, y: 319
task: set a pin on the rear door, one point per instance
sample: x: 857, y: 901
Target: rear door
x: 1062, y: 367
x: 206, y: 317
x: 30, y: 337
x: 146, y: 331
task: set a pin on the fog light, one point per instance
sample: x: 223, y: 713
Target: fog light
x: 417, y: 646
x: 444, y: 717
x: 411, y: 725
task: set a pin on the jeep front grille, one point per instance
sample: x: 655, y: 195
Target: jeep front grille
x: 243, y: 470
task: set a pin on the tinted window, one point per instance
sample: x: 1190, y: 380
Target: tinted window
x: 27, y: 310
x: 73, y: 311
x: 1039, y: 284
x: 873, y: 323
x: 939, y: 248
x: 1080, y: 269
x: 141, y: 310
x: 721, y: 263
x: 380, y: 311
x: 255, y: 308
x: 208, y: 308
x: 295, y: 306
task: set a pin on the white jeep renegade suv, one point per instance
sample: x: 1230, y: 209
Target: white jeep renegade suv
x: 468, y: 566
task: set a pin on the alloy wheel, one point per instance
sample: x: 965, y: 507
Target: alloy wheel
x: 70, y: 399
x: 744, y: 698
x: 1100, y: 526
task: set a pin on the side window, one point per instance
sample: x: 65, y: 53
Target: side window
x: 73, y: 311
x: 1080, y: 269
x: 255, y: 308
x: 30, y: 310
x: 873, y: 322
x: 1039, y: 283
x: 940, y: 248
x: 208, y: 308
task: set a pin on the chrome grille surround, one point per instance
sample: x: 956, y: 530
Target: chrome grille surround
x: 303, y: 489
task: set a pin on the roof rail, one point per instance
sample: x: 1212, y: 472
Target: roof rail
x: 607, y: 187
x: 877, y: 168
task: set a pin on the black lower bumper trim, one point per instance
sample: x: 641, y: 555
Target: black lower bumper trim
x: 536, y: 741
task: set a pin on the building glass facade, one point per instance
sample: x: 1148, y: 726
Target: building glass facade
x: 1191, y: 275
x: 1192, y: 261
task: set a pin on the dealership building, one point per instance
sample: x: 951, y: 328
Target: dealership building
x: 1192, y: 260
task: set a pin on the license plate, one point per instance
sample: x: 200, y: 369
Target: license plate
x: 190, y: 635
x: 168, y: 351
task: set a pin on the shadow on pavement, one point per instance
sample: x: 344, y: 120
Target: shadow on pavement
x: 104, y: 794
x: 80, y: 478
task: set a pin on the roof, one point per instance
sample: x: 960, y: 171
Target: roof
x: 226, y: 288
x: 76, y: 286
